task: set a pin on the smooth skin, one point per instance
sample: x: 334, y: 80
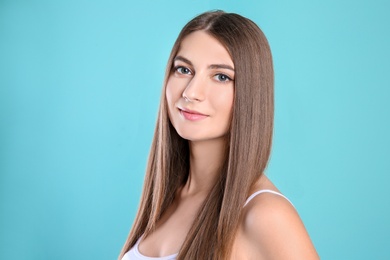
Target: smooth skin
x: 199, y: 93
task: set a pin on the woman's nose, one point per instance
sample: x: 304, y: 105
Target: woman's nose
x: 195, y: 89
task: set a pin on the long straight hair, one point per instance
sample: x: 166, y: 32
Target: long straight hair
x: 247, y: 150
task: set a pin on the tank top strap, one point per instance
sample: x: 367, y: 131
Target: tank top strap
x: 266, y: 191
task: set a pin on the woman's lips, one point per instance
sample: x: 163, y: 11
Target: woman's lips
x: 191, y: 114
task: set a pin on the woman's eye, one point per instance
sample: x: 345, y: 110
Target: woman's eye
x: 222, y: 77
x: 183, y: 70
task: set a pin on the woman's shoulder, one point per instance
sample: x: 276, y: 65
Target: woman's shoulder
x: 268, y: 213
x: 273, y: 229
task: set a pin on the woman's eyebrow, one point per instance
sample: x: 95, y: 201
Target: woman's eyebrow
x: 181, y: 58
x: 212, y: 66
x: 221, y: 66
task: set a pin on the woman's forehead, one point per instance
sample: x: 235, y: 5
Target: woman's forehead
x: 200, y: 46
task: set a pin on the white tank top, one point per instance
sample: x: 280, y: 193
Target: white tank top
x: 134, y: 254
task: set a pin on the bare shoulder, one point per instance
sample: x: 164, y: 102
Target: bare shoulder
x: 273, y: 229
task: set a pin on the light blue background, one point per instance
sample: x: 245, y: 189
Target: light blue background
x: 79, y: 89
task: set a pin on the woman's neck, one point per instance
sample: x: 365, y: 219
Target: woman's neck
x: 206, y: 159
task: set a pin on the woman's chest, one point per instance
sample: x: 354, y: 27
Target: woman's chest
x: 171, y: 231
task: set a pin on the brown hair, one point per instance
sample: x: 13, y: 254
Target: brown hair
x: 248, y: 147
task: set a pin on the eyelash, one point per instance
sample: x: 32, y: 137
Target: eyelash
x: 217, y: 77
x: 179, y: 68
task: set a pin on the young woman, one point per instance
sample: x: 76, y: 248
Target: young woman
x: 205, y: 195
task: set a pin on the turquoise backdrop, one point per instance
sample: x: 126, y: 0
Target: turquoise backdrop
x: 79, y: 89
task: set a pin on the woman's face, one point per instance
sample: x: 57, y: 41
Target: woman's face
x: 200, y: 88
